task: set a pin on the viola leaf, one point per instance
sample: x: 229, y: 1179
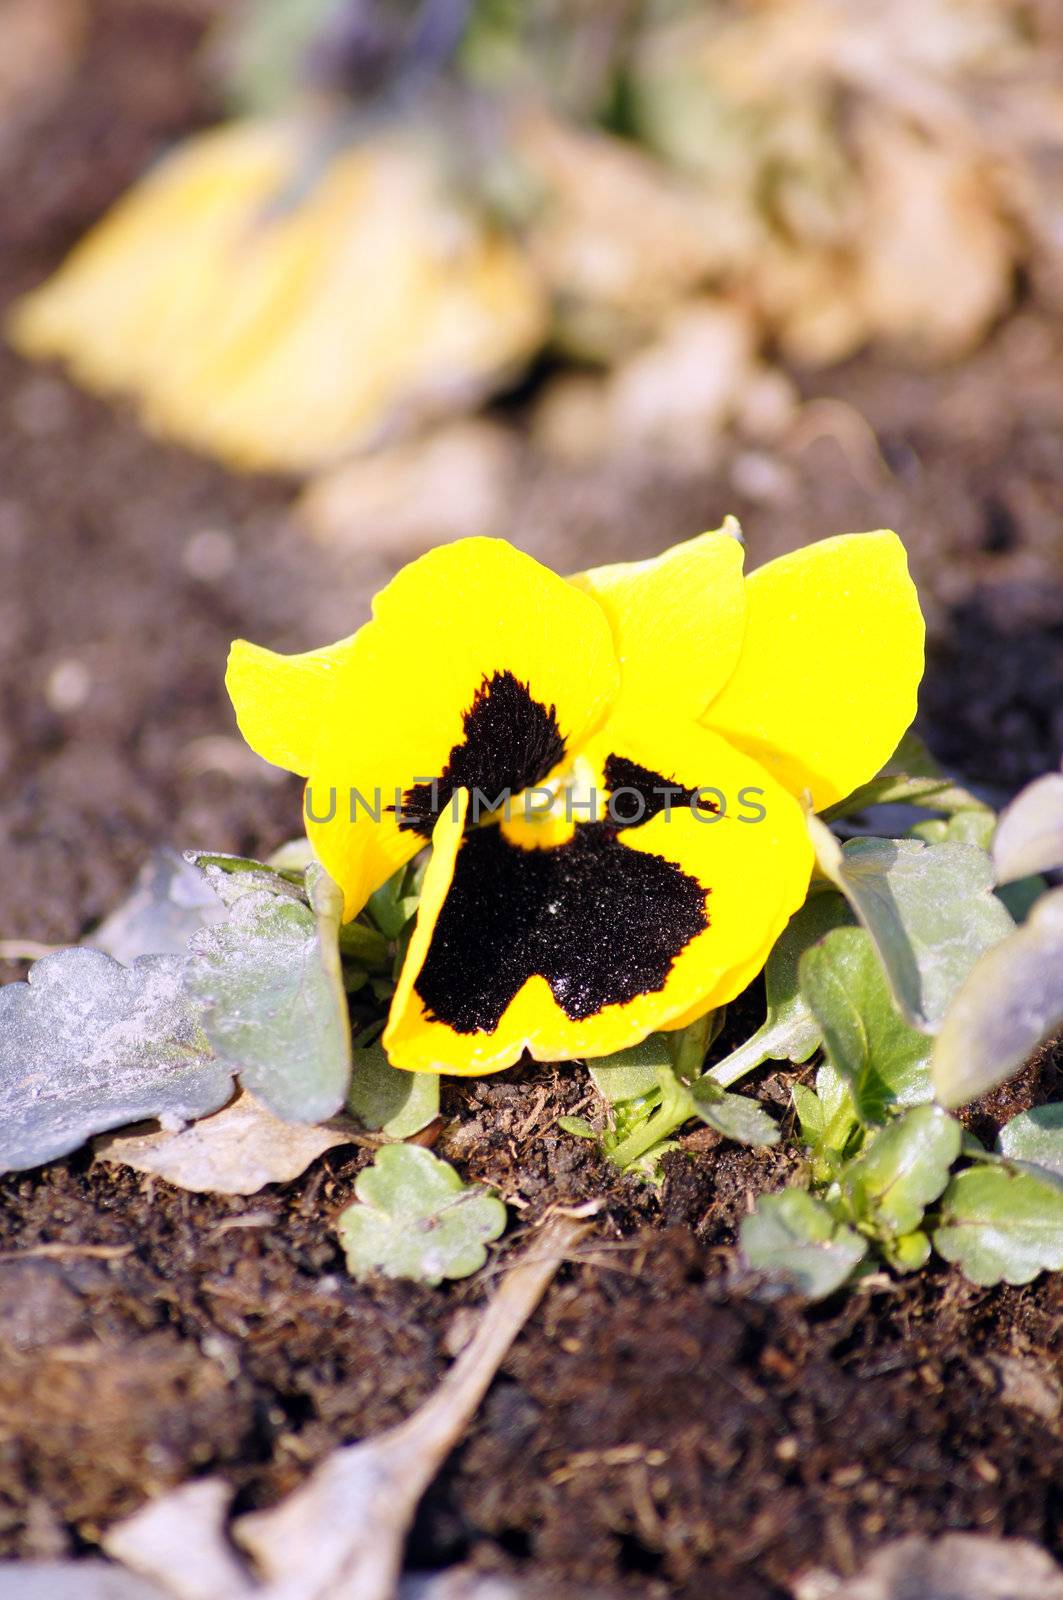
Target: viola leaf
x: 1000, y: 1225
x: 271, y: 992
x: 629, y: 1074
x: 790, y: 1031
x: 930, y: 909
x: 736, y: 1116
x: 963, y: 827
x: 903, y: 1169
x: 232, y: 877
x: 1029, y: 836
x: 393, y: 904
x: 811, y: 1117
x: 794, y: 1237
x: 386, y: 1100
x: 87, y: 1045
x: 414, y: 1218
x: 1011, y: 1003
x: 908, y: 1252
x: 578, y: 1127
x: 1035, y: 1138
x: 826, y: 1113
x: 883, y: 1061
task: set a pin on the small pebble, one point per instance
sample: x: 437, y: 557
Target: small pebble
x: 67, y: 686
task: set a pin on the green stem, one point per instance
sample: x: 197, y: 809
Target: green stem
x: 676, y: 1107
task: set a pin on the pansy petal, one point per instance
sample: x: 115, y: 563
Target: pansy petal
x: 582, y: 948
x: 280, y: 700
x: 678, y: 621
x: 833, y: 654
x: 481, y: 669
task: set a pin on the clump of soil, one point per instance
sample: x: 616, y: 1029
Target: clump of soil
x: 660, y: 1428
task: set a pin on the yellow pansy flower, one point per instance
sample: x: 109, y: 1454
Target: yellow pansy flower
x: 609, y: 770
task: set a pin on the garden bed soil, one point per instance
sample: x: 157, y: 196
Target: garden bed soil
x: 660, y: 1428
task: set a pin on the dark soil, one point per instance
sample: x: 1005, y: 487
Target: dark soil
x: 659, y: 1428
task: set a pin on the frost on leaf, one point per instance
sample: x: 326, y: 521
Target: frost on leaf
x: 929, y: 908
x: 270, y: 988
x: 87, y: 1045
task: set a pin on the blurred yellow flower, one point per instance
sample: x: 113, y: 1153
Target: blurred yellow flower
x: 278, y: 310
x: 608, y: 770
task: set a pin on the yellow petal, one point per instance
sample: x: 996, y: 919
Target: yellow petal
x: 280, y: 701
x: 830, y: 667
x: 583, y: 948
x: 480, y: 668
x: 678, y: 621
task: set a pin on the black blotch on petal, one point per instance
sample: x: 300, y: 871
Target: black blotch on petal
x: 602, y: 923
x: 654, y: 791
x: 511, y: 742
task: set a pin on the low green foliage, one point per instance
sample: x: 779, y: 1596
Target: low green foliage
x: 900, y: 1171
x: 1035, y: 1138
x: 901, y: 989
x: 917, y: 982
x: 790, y: 1032
x: 414, y: 1218
x: 385, y: 1100
x: 649, y: 1099
x: 884, y: 1062
x: 797, y: 1239
x: 1001, y: 1224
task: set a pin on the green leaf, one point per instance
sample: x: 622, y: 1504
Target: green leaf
x: 578, y: 1127
x: 1011, y: 1003
x: 629, y: 1074
x: 1021, y: 896
x: 231, y: 877
x: 414, y: 1218
x: 883, y: 1061
x: 963, y: 827
x: 912, y: 777
x: 909, y: 1253
x: 811, y: 1117
x: 387, y: 1100
x: 902, y: 1169
x: 394, y: 904
x: 273, y: 1003
x: 1029, y: 836
x: 795, y: 1237
x: 736, y: 1116
x: 1035, y: 1138
x: 1001, y: 1226
x: 930, y: 910
x: 365, y: 946
x: 790, y: 1031
x: 87, y: 1045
